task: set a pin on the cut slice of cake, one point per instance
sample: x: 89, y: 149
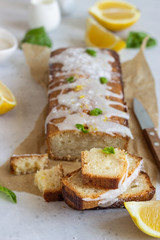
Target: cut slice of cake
x: 28, y: 163
x: 49, y: 182
x: 73, y: 184
x: 104, y: 168
x: 81, y: 197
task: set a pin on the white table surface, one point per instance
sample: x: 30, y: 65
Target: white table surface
x: 31, y: 217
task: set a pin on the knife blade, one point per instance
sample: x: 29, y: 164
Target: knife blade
x: 148, y: 129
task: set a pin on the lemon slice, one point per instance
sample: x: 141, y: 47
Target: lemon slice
x: 98, y: 36
x: 146, y: 216
x: 115, y: 15
x: 7, y: 100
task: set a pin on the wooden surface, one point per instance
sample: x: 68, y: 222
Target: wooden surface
x: 153, y: 142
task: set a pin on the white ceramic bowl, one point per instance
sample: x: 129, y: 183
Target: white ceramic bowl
x: 8, y: 44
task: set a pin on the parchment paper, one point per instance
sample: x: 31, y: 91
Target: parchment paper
x: 138, y: 82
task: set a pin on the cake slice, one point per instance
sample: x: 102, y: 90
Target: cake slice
x: 49, y: 182
x: 28, y: 163
x: 105, y: 168
x: 73, y: 184
x: 75, y: 193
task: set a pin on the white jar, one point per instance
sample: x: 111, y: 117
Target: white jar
x: 66, y: 6
x: 44, y: 13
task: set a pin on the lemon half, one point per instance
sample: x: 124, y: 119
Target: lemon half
x: 98, y: 36
x: 115, y: 15
x: 7, y: 99
x: 146, y: 216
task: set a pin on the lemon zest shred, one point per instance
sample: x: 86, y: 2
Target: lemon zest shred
x: 82, y: 96
x: 78, y: 88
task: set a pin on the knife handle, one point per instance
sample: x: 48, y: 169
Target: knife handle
x: 153, y: 142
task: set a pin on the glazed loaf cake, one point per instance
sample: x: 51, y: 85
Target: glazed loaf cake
x: 86, y: 103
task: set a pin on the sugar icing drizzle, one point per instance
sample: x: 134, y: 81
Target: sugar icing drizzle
x: 86, y: 92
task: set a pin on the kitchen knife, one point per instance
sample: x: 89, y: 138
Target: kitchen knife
x: 148, y: 129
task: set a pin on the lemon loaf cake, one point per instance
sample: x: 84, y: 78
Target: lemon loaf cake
x: 49, y: 182
x: 105, y: 168
x: 81, y: 197
x: 28, y: 163
x: 86, y: 103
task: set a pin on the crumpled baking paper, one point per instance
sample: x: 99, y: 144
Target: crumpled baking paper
x: 138, y: 82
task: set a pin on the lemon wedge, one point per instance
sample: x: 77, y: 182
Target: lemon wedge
x: 115, y: 15
x: 146, y: 216
x: 98, y: 36
x: 7, y: 100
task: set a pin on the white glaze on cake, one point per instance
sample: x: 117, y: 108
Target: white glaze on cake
x: 86, y: 92
x: 76, y: 60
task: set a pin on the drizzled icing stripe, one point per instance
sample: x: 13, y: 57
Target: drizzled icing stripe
x: 97, y: 123
x: 95, y: 87
x: 86, y: 92
x: 77, y: 60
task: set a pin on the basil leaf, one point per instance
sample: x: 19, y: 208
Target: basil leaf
x: 91, y: 52
x: 103, y: 80
x: 151, y: 42
x: 81, y: 128
x: 37, y: 36
x: 109, y: 150
x: 95, y: 112
x: 135, y: 39
x: 8, y: 193
x: 70, y: 79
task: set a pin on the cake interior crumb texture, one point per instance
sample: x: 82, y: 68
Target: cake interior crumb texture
x: 68, y: 145
x: 97, y: 163
x: 104, y: 170
x: 49, y: 180
x: 23, y: 164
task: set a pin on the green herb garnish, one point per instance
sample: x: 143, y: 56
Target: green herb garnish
x: 37, y: 36
x: 81, y: 128
x: 8, y: 193
x: 109, y: 150
x: 133, y: 186
x: 103, y: 80
x: 91, y: 52
x: 135, y: 39
x: 95, y: 112
x: 70, y: 79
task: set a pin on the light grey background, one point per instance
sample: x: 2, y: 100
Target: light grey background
x: 31, y: 217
